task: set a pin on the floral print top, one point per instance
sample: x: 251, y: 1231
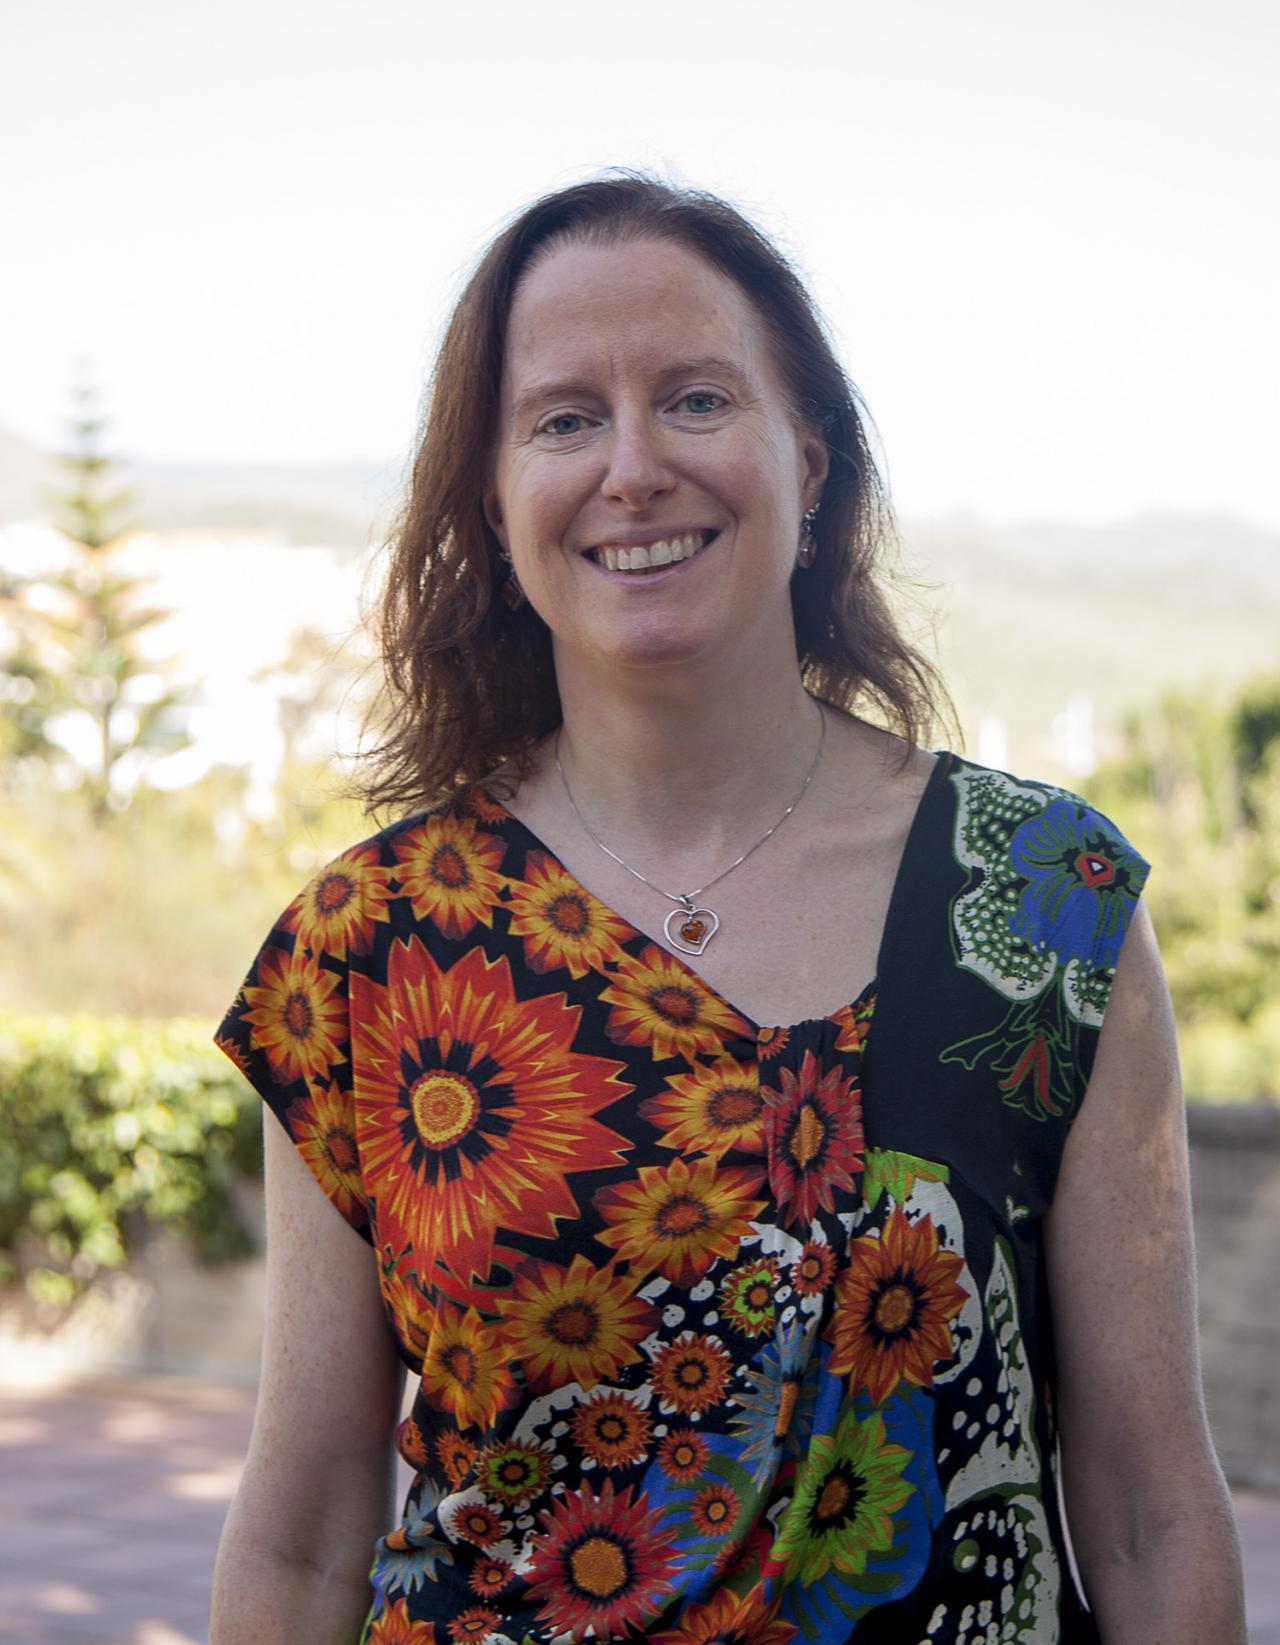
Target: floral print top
x: 722, y: 1333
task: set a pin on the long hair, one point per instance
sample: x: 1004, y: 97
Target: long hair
x: 470, y: 683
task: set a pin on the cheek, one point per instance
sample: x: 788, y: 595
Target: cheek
x: 539, y: 504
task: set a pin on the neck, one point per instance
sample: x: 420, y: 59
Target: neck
x: 690, y: 771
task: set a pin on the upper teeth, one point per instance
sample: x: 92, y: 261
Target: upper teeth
x: 642, y: 556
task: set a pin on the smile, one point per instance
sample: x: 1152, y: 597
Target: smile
x: 650, y: 557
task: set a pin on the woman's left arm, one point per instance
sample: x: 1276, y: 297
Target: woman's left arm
x: 1149, y: 1511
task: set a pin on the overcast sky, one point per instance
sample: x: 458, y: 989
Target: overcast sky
x: 1046, y: 236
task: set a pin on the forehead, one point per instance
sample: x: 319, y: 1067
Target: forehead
x: 633, y: 308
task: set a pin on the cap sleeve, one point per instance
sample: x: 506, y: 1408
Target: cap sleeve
x: 1080, y: 880
x: 289, y: 1027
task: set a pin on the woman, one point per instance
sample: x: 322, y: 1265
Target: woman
x: 701, y: 1076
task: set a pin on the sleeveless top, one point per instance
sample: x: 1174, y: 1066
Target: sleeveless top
x: 721, y: 1331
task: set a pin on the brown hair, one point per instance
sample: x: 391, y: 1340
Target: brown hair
x: 470, y: 683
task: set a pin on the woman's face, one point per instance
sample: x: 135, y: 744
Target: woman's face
x: 641, y: 409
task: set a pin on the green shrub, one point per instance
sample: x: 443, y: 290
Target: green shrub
x: 108, y: 1124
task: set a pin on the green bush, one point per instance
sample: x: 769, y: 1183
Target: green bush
x: 108, y: 1124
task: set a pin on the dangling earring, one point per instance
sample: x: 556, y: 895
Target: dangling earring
x: 808, y: 550
x: 512, y: 594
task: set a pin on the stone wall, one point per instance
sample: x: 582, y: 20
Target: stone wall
x: 1235, y: 1185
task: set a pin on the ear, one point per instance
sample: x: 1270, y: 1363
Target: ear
x: 493, y: 518
x: 815, y: 462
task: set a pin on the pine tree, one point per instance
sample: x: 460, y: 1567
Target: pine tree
x: 74, y: 650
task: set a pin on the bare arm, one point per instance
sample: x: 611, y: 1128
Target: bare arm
x: 296, y: 1549
x: 1149, y: 1511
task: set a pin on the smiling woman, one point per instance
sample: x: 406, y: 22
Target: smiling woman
x: 762, y: 1301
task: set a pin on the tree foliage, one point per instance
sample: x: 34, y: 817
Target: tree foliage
x: 73, y: 657
x: 1197, y: 788
x: 110, y: 1125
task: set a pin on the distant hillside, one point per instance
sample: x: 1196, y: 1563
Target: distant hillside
x: 1032, y: 615
x: 342, y: 505
x: 1028, y: 616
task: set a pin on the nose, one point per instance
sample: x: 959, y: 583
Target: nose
x: 637, y: 470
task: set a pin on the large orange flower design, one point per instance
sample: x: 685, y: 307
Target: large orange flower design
x: 296, y: 1019
x: 657, y: 1001
x: 474, y: 1108
x: 412, y: 1315
x: 450, y: 872
x: 893, y: 1304
x: 730, y: 1619
x: 577, y: 1324
x: 336, y: 913
x: 679, y: 1218
x: 562, y: 923
x: 710, y: 1110
x: 465, y: 1371
x: 323, y: 1129
x: 396, y: 1627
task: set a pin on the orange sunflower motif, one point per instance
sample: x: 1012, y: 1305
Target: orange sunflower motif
x: 772, y: 1042
x: 465, y: 1371
x: 396, y: 1627
x: 730, y: 1619
x: 410, y: 1443
x: 322, y: 1126
x: 603, y: 1564
x: 455, y: 1454
x: 337, y: 912
x: 562, y: 923
x: 710, y: 1110
x: 296, y: 1019
x: 893, y: 1304
x: 474, y: 1109
x: 490, y: 1575
x: 412, y: 1315
x: 713, y: 1511
x: 229, y: 1048
x: 657, y: 1001
x: 610, y: 1430
x: 855, y: 1025
x: 477, y: 802
x: 679, y: 1218
x: 475, y: 1623
x: 692, y: 1373
x: 476, y: 1522
x: 577, y: 1324
x: 814, y: 1269
x: 450, y: 872
x: 683, y: 1454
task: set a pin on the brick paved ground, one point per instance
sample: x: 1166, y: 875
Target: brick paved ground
x: 113, y: 1495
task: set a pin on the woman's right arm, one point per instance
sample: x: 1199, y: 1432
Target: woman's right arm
x: 293, y: 1562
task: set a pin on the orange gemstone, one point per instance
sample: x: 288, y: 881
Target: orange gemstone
x: 692, y: 930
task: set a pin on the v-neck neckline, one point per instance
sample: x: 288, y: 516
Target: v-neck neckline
x: 943, y: 761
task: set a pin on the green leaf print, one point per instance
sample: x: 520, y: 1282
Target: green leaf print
x: 888, y: 1171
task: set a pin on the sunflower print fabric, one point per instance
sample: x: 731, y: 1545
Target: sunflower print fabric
x: 721, y: 1333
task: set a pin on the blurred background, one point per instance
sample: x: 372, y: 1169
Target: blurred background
x: 1048, y: 249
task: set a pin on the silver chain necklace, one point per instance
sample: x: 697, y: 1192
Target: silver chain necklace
x: 688, y: 926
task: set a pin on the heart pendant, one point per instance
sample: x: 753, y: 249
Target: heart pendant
x: 690, y: 929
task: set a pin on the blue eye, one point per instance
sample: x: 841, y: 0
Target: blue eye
x: 701, y: 401
x: 554, y: 425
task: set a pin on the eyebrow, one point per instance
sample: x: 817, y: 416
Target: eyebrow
x: 706, y: 364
